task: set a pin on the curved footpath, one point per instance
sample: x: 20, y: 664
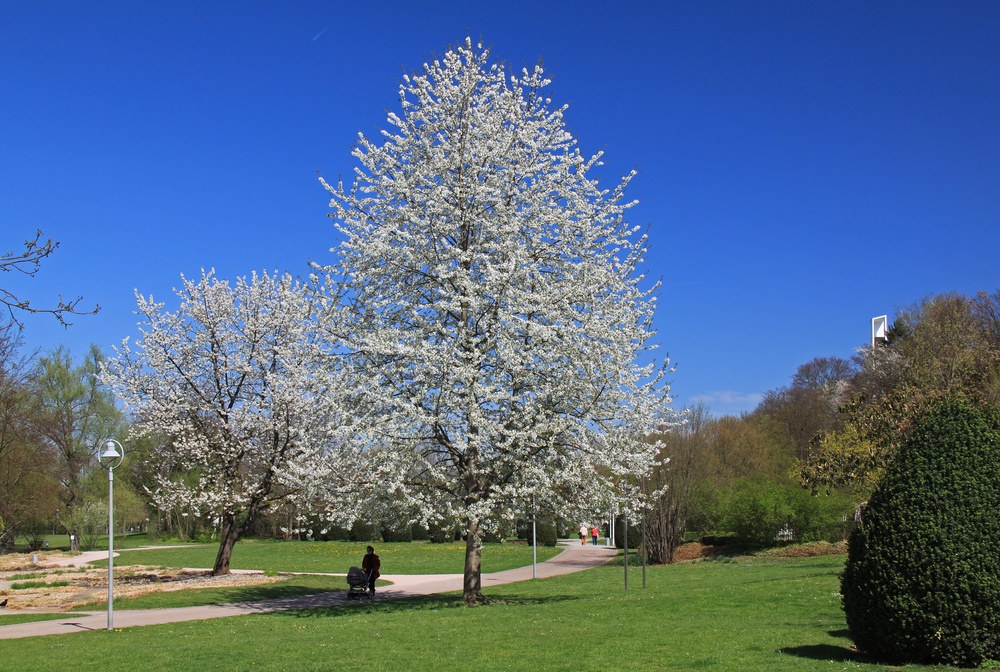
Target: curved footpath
x: 575, y: 557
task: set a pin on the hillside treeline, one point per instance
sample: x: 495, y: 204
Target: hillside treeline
x: 799, y: 466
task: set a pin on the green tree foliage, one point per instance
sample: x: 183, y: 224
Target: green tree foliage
x: 922, y: 581
x: 145, y: 459
x: 842, y: 458
x: 797, y: 413
x: 361, y: 531
x: 397, y: 534
x: 27, y: 494
x: 74, y: 413
x: 130, y: 506
x: 88, y: 520
x: 762, y: 512
x: 946, y: 344
x: 736, y: 451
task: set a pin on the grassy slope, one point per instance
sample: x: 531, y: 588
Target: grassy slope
x: 765, y: 615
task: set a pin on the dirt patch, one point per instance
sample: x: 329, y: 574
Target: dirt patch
x: 696, y: 551
x: 87, y: 586
x: 808, y: 550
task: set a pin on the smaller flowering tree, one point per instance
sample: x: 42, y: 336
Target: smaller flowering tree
x: 247, y: 393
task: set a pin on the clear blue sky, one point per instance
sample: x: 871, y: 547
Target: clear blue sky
x: 804, y: 166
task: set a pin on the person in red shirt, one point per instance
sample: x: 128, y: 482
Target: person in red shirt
x: 370, y: 565
x: 594, y: 532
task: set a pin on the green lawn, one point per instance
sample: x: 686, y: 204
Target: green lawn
x: 339, y: 556
x: 758, y: 615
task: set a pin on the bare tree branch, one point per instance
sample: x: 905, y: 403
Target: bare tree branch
x: 28, y: 263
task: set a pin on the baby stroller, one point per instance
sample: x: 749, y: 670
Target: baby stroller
x: 357, y: 581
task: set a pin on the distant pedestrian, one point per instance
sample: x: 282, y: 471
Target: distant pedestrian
x: 370, y: 565
x: 583, y: 534
x: 594, y: 532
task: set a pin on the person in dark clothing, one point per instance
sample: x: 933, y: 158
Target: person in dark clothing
x: 370, y: 566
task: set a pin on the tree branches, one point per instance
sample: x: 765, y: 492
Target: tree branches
x: 28, y: 263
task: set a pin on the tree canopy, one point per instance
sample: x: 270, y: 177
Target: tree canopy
x: 494, y: 304
x: 244, y: 392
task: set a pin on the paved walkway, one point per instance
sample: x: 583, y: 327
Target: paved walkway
x: 574, y: 558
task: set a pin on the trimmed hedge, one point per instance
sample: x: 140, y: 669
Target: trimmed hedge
x: 395, y: 535
x: 922, y: 579
x: 364, y: 531
x: 444, y: 535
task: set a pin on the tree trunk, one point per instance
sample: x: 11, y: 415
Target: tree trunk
x: 230, y: 535
x: 74, y: 534
x: 666, y: 528
x: 472, y: 588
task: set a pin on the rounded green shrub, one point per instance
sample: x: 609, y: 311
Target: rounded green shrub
x: 634, y: 532
x: 545, y: 534
x: 922, y: 579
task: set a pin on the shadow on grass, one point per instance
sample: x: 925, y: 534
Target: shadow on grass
x: 270, y: 591
x: 279, y: 590
x: 418, y: 603
x: 841, y: 654
x: 222, y: 595
x: 838, y: 654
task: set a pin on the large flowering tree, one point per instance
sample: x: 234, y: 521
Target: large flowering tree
x: 245, y: 392
x: 495, y: 306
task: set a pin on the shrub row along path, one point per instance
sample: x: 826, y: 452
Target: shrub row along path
x: 575, y: 557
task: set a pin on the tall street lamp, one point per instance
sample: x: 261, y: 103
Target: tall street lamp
x: 110, y: 459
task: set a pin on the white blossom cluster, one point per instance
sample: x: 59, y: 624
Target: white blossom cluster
x: 494, y: 305
x: 244, y: 393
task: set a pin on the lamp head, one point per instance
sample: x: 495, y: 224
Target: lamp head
x: 110, y: 451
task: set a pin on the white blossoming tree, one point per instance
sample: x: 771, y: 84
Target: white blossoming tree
x: 495, y: 306
x: 247, y: 395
